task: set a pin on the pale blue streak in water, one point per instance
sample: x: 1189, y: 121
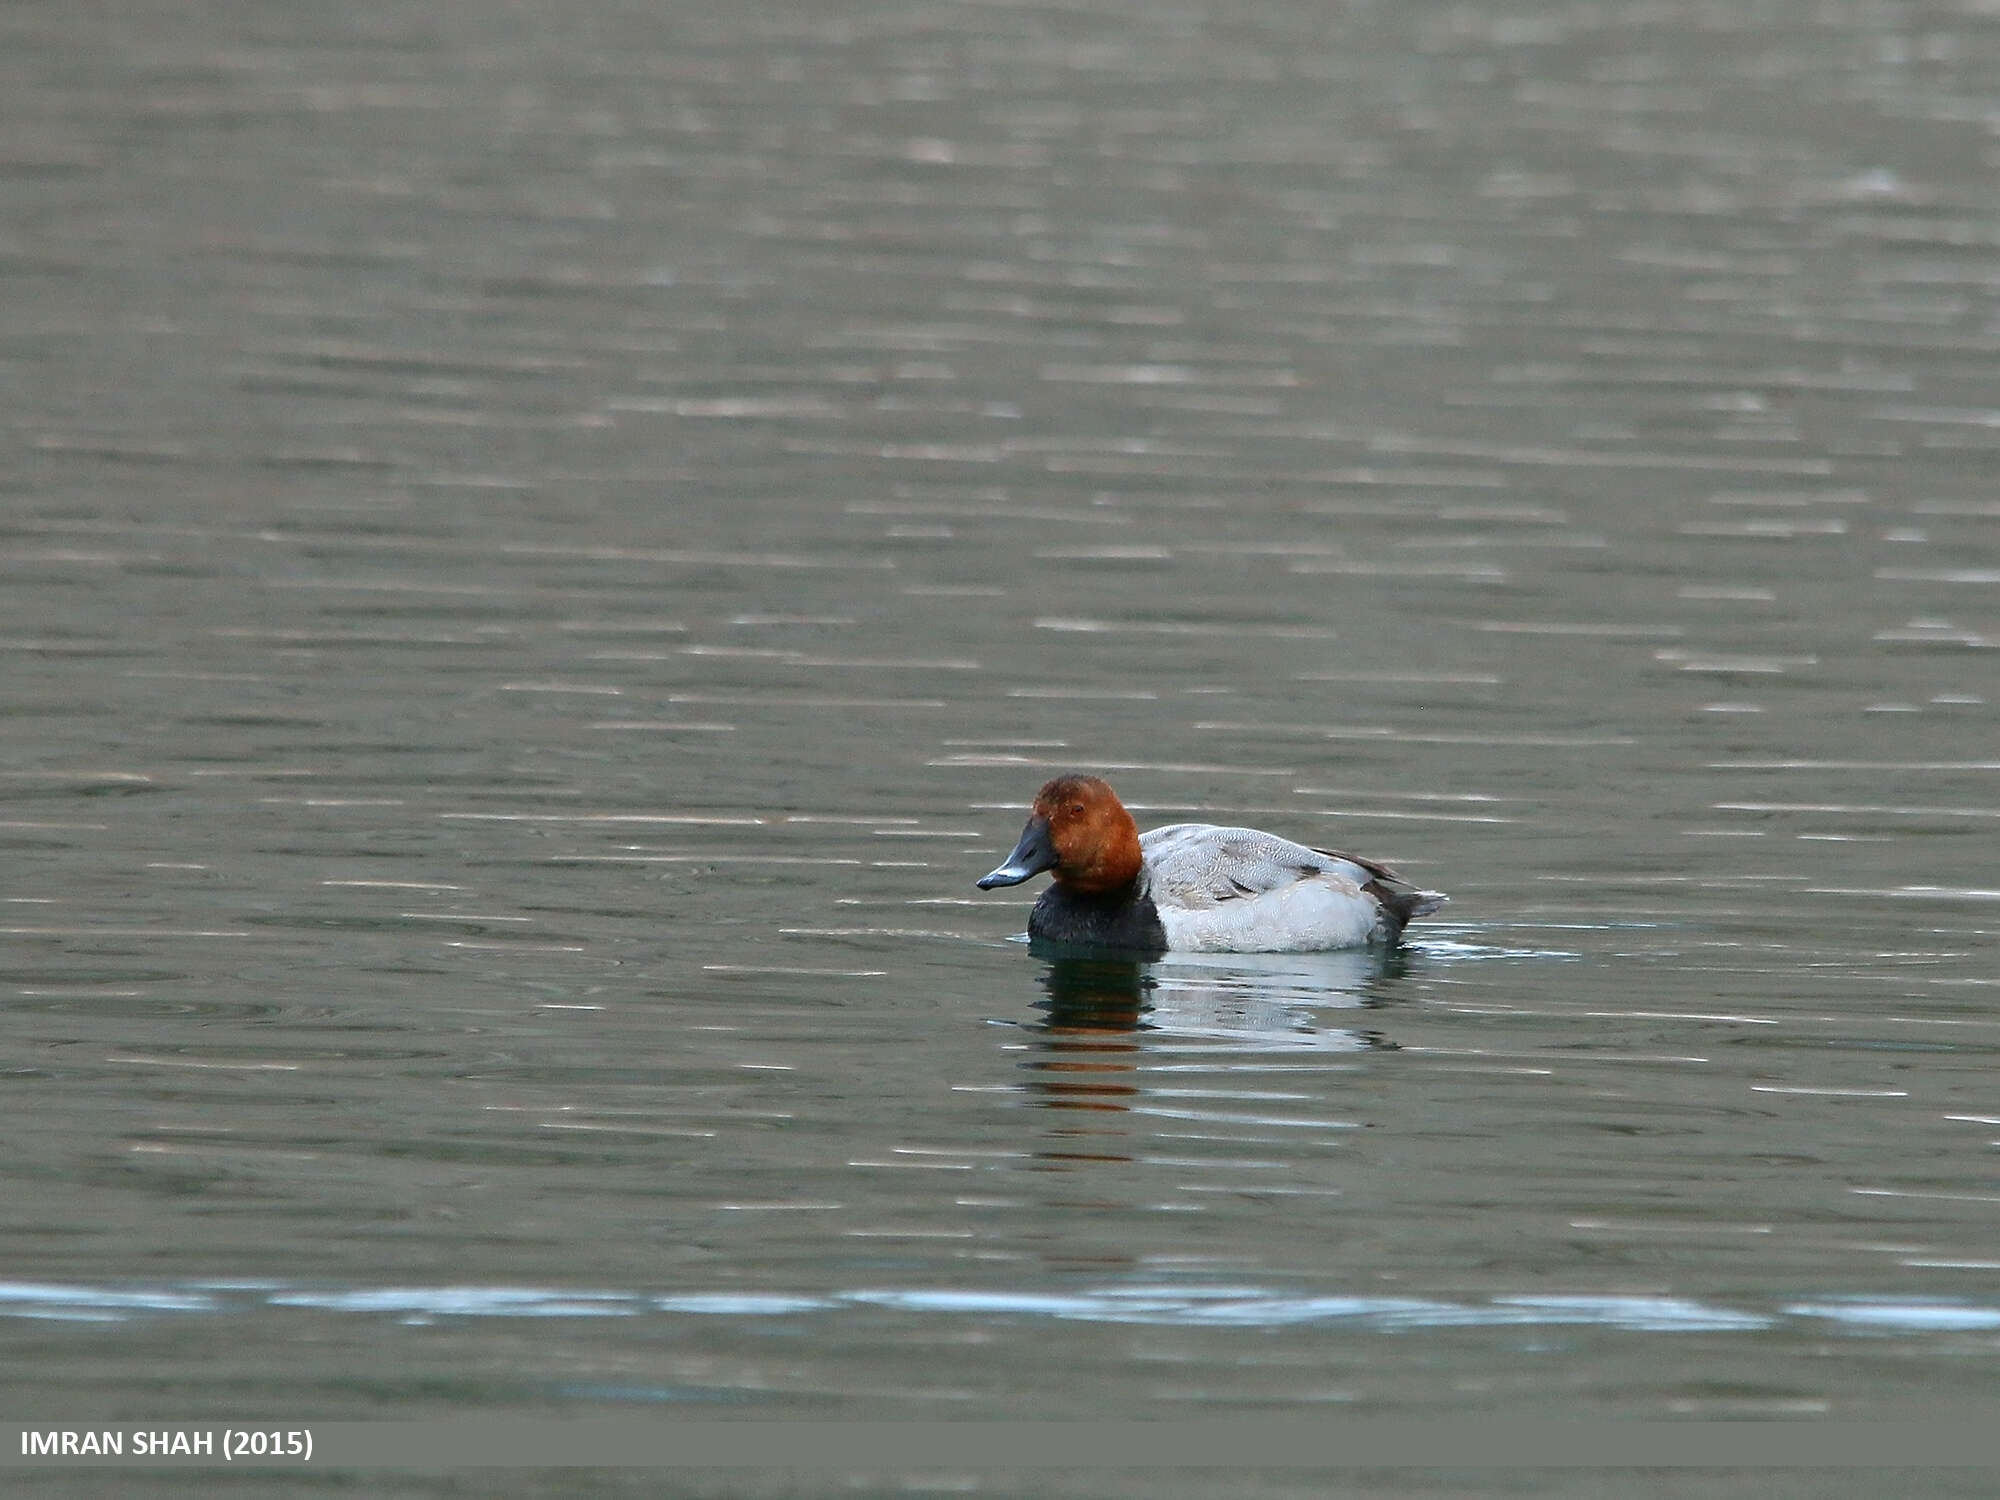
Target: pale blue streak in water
x: 1644, y: 1314
x: 27, y: 1299
x: 1237, y: 1307
x: 743, y: 1304
x: 490, y: 1302
x: 1863, y: 1315
x: 1194, y: 1306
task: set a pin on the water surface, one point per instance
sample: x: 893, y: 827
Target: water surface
x: 542, y: 558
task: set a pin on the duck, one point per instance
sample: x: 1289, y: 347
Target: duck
x: 1195, y: 887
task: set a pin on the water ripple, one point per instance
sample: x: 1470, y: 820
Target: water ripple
x: 1192, y: 1305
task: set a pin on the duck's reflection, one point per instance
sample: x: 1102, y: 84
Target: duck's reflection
x: 1091, y: 993
x: 1257, y: 1001
x: 1106, y: 1015
x: 1088, y: 1057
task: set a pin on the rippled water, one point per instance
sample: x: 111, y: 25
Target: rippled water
x: 544, y: 554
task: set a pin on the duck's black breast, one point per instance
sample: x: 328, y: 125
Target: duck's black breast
x: 1126, y: 920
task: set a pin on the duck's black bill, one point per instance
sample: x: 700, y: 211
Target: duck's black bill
x: 1032, y: 855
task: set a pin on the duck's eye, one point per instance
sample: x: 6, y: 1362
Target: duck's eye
x: 1076, y: 809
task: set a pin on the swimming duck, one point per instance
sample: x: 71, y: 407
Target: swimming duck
x: 1195, y: 887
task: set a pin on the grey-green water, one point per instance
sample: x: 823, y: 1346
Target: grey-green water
x: 544, y: 551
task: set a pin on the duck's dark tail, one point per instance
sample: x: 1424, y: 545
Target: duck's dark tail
x: 1401, y: 901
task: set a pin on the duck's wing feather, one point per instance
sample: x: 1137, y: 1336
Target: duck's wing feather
x: 1204, y: 864
x: 1201, y: 864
